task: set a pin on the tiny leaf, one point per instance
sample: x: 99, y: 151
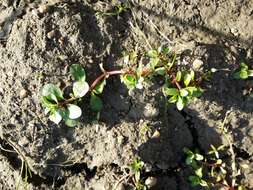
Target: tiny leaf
x: 170, y: 91
x: 99, y: 87
x: 183, y: 93
x: 129, y: 80
x: 77, y: 72
x: 96, y: 103
x: 187, y: 79
x: 180, y: 103
x: 199, y: 157
x: 74, y: 111
x: 71, y: 122
x: 173, y: 99
x: 243, y: 74
x: 199, y: 173
x: 80, y: 88
x: 55, y: 117
x: 52, y: 92
x: 152, y: 53
x: 160, y: 71
x: 179, y: 76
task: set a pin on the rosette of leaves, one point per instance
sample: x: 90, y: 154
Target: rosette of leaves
x: 60, y: 108
x: 184, y: 91
x: 158, y: 64
x: 243, y: 72
x: 193, y: 159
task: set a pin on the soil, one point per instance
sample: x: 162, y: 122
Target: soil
x: 41, y: 39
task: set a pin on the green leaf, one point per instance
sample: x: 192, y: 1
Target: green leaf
x: 48, y: 104
x: 55, y: 117
x: 80, y: 88
x: 170, y: 91
x: 203, y: 183
x: 165, y: 50
x: 250, y: 73
x: 173, y: 99
x: 96, y: 103
x: 199, y: 173
x: 244, y: 66
x: 52, y: 92
x: 183, y: 93
x: 192, y: 74
x: 191, y: 89
x: 237, y: 75
x: 152, y: 53
x: 195, y: 180
x: 154, y: 62
x: 243, y: 74
x: 199, y: 157
x: 71, y: 122
x: 129, y: 80
x: 160, y: 71
x: 180, y: 103
x: 74, y: 111
x: 187, y: 79
x: 99, y: 87
x: 77, y: 72
x: 179, y: 76
x: 189, y: 160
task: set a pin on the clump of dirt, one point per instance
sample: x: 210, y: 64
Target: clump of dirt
x: 40, y: 40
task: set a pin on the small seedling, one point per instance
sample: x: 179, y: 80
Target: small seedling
x: 216, y: 170
x: 136, y: 168
x: 117, y: 10
x: 60, y: 108
x: 180, y: 86
x: 193, y: 159
x: 244, y: 72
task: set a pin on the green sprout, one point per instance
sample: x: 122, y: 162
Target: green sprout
x: 243, y: 72
x: 117, y: 10
x: 136, y: 168
x: 180, y: 86
x: 60, y: 108
x: 193, y: 159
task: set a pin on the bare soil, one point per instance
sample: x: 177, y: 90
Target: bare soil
x: 39, y: 44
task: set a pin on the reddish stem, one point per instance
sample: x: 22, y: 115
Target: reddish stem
x: 174, y: 81
x: 105, y: 74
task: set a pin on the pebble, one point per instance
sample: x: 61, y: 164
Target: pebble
x: 156, y: 135
x: 23, y: 93
x: 43, y: 8
x: 150, y: 111
x: 150, y: 182
x: 51, y: 34
x: 197, y: 64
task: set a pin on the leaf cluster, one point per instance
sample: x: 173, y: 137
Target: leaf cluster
x: 243, y: 72
x: 180, y: 85
x: 60, y: 108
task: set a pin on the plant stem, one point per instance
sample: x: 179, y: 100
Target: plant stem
x: 174, y: 81
x: 104, y: 75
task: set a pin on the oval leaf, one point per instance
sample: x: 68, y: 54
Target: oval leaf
x: 170, y: 91
x: 180, y: 103
x: 52, y: 92
x: 71, y: 122
x: 187, y: 79
x: 96, y: 103
x: 77, y: 72
x: 183, y: 92
x: 55, y: 117
x: 74, y: 111
x: 80, y: 88
x: 100, y: 87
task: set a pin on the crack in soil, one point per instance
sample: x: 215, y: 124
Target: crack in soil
x: 37, y: 180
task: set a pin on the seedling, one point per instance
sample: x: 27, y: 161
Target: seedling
x: 215, y: 168
x: 180, y: 86
x: 244, y: 72
x: 192, y: 160
x: 118, y: 9
x: 136, y: 168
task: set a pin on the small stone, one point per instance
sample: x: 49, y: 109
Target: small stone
x: 197, y: 64
x: 43, y: 8
x: 150, y: 111
x: 51, y: 34
x: 156, y: 135
x: 121, y: 187
x: 23, y: 93
x: 150, y: 182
